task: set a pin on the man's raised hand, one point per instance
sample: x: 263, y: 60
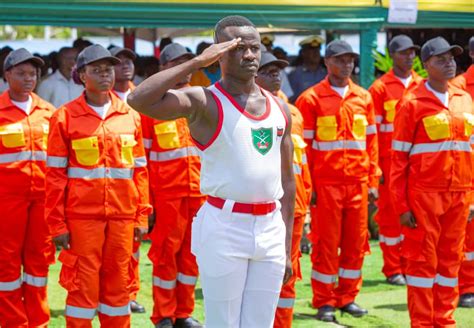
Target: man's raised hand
x: 216, y: 51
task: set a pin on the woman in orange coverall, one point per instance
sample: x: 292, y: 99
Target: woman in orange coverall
x: 25, y: 239
x: 96, y: 194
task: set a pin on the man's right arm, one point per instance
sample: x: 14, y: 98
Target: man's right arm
x: 154, y: 97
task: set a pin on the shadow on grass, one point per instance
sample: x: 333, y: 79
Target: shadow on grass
x: 374, y: 283
x: 402, y: 307
x: 57, y: 313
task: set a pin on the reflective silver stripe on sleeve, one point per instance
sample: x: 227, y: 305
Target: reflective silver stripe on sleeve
x: 140, y: 161
x: 23, y: 156
x: 296, y: 169
x: 99, y: 173
x: 469, y: 256
x: 114, y: 311
x: 471, y: 140
x: 79, y: 312
x: 390, y: 241
x: 378, y: 118
x: 187, y: 280
x: 339, y: 145
x: 165, y: 284
x: 147, y: 143
x: 308, y: 134
x: 445, y: 281
x: 386, y: 127
x: 422, y: 148
x: 324, y: 278
x: 419, y: 281
x: 173, y: 154
x: 286, y: 303
x: 371, y: 129
x: 304, y: 159
x: 35, y: 281
x: 401, y: 146
x: 8, y: 286
x: 57, y: 161
x: 349, y: 274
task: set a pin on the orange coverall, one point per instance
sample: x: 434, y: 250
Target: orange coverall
x: 386, y: 92
x: 431, y: 176
x: 174, y: 167
x: 97, y: 190
x: 25, y: 238
x: 284, y: 312
x: 343, y: 163
x: 466, y: 273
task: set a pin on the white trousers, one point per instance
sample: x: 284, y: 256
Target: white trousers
x: 241, y: 259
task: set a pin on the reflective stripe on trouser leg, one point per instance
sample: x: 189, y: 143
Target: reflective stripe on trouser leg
x: 79, y: 312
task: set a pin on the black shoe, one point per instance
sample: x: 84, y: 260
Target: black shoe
x: 397, y: 280
x: 136, y: 307
x: 326, y: 313
x: 466, y: 301
x: 165, y: 323
x: 187, y: 323
x: 354, y: 310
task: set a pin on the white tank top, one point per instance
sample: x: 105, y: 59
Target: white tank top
x: 242, y: 162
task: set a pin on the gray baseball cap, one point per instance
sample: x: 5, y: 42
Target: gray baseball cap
x: 339, y: 48
x: 438, y: 46
x: 172, y: 52
x: 95, y: 53
x: 20, y: 56
x: 116, y: 51
x: 400, y: 43
x: 268, y: 59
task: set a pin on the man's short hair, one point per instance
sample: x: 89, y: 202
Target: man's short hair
x: 63, y: 50
x: 230, y: 21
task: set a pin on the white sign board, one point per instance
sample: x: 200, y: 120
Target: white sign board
x: 403, y: 11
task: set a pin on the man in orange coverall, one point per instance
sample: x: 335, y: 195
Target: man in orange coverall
x: 96, y: 194
x: 430, y: 184
x: 339, y: 122
x: 386, y: 92
x: 25, y: 238
x: 269, y: 78
x: 174, y: 180
x: 123, y: 85
x: 466, y: 274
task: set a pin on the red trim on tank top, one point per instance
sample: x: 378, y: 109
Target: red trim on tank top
x: 242, y: 110
x: 220, y: 121
x: 280, y: 106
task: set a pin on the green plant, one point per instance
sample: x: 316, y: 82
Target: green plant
x: 383, y: 62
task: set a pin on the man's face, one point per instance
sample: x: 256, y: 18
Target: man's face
x: 67, y: 60
x: 125, y: 70
x: 404, y: 59
x: 22, y: 78
x: 243, y: 61
x: 269, y: 78
x: 98, y: 76
x: 441, y: 67
x: 178, y: 61
x: 311, y: 55
x: 341, y: 66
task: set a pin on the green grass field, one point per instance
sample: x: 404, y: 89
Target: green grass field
x: 386, y: 304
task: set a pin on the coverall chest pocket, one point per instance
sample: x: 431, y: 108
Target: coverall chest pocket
x: 326, y: 128
x: 299, y: 146
x: 359, y: 126
x: 468, y: 123
x: 389, y: 107
x: 127, y: 142
x: 437, y: 126
x: 167, y: 135
x: 87, y: 150
x: 45, y: 135
x: 12, y: 135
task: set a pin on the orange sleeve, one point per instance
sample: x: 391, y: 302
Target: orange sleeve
x: 403, y: 138
x: 140, y: 178
x: 56, y: 173
x: 372, y: 145
x: 307, y: 105
x: 377, y: 93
